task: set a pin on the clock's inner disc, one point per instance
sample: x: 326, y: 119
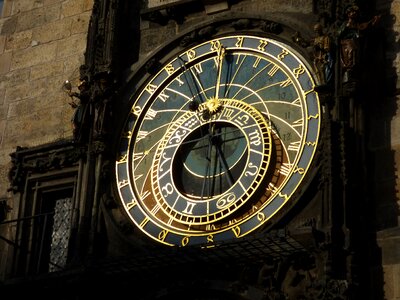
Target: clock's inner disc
x: 210, y: 160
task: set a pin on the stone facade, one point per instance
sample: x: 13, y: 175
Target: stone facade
x: 42, y: 44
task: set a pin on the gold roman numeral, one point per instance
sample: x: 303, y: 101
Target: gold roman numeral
x: 285, y: 169
x: 189, y: 208
x: 151, y: 114
x: 286, y: 82
x: 273, y: 70
x: 163, y: 97
x: 141, y: 135
x: 199, y: 68
x: 257, y: 61
x: 294, y: 146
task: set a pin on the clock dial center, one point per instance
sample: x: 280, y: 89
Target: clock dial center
x: 210, y: 160
x: 206, y: 167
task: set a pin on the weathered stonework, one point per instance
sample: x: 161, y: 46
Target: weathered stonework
x: 42, y: 44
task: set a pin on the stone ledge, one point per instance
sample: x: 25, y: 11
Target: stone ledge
x: 389, y: 241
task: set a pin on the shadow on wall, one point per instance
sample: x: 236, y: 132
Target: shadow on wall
x: 380, y: 96
x: 130, y: 27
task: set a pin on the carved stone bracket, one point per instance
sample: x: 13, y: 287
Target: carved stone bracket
x: 240, y: 24
x: 163, y: 16
x: 40, y: 160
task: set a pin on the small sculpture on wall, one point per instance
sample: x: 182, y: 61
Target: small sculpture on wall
x: 321, y: 47
x: 79, y: 101
x: 323, y: 58
x: 349, y: 34
x: 351, y: 43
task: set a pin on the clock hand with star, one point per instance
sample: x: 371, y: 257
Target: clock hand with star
x: 220, y: 58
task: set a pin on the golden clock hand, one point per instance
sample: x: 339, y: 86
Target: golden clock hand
x: 214, y: 140
x: 191, y: 141
x: 213, y: 104
x: 223, y: 162
x: 220, y: 58
x: 195, y: 82
x: 207, y: 168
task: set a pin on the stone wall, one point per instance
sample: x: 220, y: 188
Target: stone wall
x: 42, y: 44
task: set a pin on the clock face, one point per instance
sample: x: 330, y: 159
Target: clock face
x: 218, y: 141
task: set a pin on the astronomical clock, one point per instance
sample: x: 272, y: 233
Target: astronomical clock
x: 217, y: 139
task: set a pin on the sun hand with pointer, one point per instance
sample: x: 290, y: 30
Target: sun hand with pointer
x: 213, y: 104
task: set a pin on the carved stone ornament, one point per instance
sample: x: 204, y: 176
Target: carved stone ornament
x: 240, y: 24
x: 40, y: 160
